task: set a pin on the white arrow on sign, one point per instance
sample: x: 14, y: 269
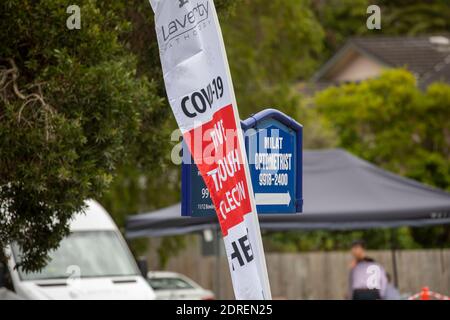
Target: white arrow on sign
x: 273, y: 198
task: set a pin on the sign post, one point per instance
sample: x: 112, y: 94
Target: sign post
x: 273, y: 142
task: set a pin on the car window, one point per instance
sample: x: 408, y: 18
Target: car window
x: 169, y: 284
x: 93, y: 253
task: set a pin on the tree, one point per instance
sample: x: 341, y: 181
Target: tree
x: 414, y: 17
x: 390, y: 122
x: 342, y: 19
x: 136, y: 189
x: 72, y: 110
x: 270, y: 45
x: 326, y: 240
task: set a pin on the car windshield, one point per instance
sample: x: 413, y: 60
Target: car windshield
x: 169, y: 284
x: 85, y: 254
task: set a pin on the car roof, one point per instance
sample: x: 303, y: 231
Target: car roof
x: 173, y: 275
x: 164, y: 274
x: 94, y: 217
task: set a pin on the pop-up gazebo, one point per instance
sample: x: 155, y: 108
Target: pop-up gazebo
x: 340, y: 192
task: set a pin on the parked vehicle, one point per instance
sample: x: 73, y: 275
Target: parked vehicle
x: 6, y: 294
x: 175, y: 286
x: 93, y: 262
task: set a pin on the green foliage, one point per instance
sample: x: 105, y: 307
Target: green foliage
x: 83, y: 113
x: 170, y: 246
x: 270, y: 44
x: 339, y: 240
x: 318, y: 132
x: 386, y: 137
x: 71, y: 111
x: 138, y: 189
x: 390, y: 122
x: 342, y: 19
x: 414, y: 17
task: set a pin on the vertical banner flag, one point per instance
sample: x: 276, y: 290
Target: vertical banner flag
x: 200, y: 92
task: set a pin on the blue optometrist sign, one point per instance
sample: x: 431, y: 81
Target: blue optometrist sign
x: 274, y: 149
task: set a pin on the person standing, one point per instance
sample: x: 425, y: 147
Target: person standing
x: 367, y: 279
x: 392, y: 292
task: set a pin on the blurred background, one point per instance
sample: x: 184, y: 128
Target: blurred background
x: 382, y: 95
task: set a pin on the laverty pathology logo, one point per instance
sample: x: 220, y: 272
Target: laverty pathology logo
x: 189, y: 21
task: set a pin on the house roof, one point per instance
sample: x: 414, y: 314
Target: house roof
x: 428, y: 57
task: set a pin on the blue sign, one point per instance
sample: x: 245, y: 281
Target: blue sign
x: 274, y: 149
x: 196, y: 201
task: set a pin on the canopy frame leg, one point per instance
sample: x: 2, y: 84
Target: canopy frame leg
x: 394, y: 246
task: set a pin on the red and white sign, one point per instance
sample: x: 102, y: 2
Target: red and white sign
x: 200, y: 92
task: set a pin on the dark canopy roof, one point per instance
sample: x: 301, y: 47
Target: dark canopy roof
x: 341, y: 191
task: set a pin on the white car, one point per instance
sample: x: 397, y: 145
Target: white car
x: 174, y: 286
x: 93, y: 262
